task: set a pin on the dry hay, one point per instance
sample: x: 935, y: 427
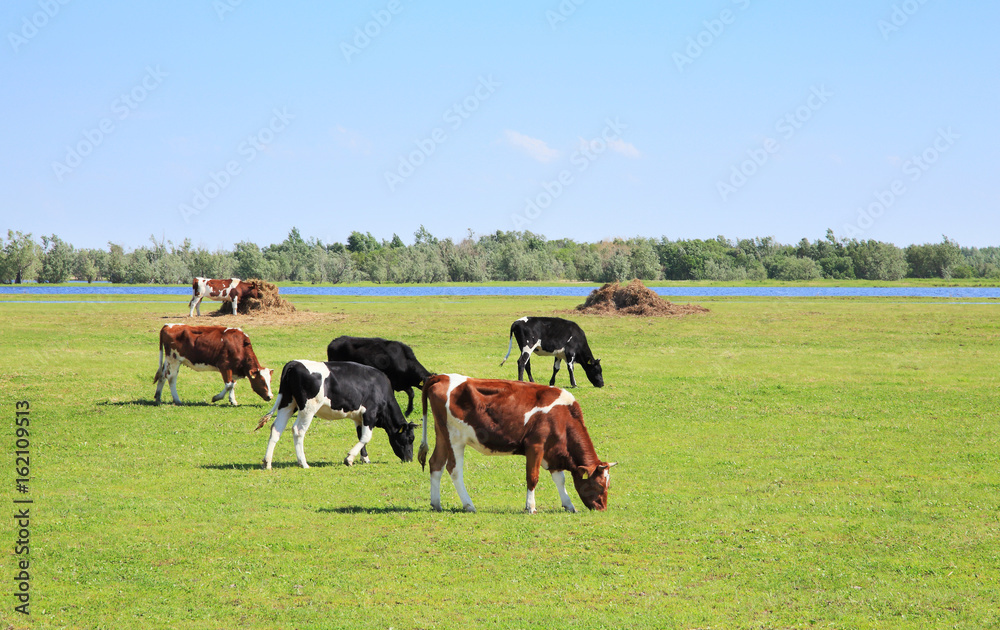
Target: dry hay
x: 635, y: 298
x: 269, y: 303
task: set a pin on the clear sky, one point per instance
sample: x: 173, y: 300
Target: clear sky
x: 230, y: 120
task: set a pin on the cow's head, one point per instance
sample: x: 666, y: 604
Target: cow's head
x: 401, y: 440
x: 592, y: 367
x: 592, y: 485
x: 254, y: 292
x: 260, y: 381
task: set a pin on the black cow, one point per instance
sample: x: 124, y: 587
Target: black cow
x: 553, y: 337
x: 394, y: 358
x: 338, y: 390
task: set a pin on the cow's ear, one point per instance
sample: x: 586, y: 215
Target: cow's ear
x: 583, y: 472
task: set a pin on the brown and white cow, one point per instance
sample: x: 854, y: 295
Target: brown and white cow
x: 228, y: 290
x: 210, y: 348
x: 498, y: 417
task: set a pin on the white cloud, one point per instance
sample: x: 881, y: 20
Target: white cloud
x: 625, y: 148
x: 534, y: 147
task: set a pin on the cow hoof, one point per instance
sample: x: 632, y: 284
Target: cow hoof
x: 529, y: 510
x: 365, y: 460
x: 436, y: 508
x: 570, y: 509
x: 266, y: 465
x: 348, y: 461
x: 469, y: 508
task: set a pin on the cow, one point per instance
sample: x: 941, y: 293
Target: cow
x: 498, y: 417
x: 210, y: 348
x: 393, y: 358
x: 334, y: 390
x: 553, y: 337
x: 229, y: 290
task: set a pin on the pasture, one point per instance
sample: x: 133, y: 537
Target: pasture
x: 791, y: 463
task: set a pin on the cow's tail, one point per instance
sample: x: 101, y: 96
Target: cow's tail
x: 159, y: 370
x: 270, y: 414
x: 510, y: 345
x: 422, y: 453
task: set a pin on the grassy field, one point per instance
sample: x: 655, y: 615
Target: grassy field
x: 796, y: 463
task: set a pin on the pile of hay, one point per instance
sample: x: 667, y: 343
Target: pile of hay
x: 635, y: 298
x: 270, y: 303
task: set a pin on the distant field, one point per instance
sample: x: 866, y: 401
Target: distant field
x: 788, y: 463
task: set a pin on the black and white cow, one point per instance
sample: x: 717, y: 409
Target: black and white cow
x: 553, y: 337
x: 394, y: 358
x: 333, y: 391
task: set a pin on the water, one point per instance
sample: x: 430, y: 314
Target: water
x: 564, y: 291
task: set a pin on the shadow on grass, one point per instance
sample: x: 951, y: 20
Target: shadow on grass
x: 151, y: 403
x: 257, y: 465
x: 357, y: 509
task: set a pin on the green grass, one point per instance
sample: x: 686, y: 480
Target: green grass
x: 793, y: 463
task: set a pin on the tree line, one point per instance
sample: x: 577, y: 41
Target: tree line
x: 503, y: 256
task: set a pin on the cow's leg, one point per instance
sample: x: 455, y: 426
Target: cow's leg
x: 559, y: 477
x: 555, y: 370
x: 161, y: 379
x: 457, y: 477
x: 409, y: 405
x: 363, y: 439
x: 569, y: 368
x: 173, y: 370
x: 299, y: 435
x: 533, y: 460
x: 364, y: 449
x: 440, y: 458
x: 280, y: 421
x: 236, y: 304
x: 195, y: 303
x: 524, y: 365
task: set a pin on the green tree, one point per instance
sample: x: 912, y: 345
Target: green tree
x: 20, y: 258
x: 57, y: 260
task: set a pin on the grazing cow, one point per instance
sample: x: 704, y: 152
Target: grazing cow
x: 334, y: 390
x: 497, y: 417
x: 393, y: 358
x: 553, y: 337
x: 228, y: 290
x: 210, y: 348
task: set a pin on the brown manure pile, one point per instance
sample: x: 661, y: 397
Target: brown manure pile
x: 270, y: 303
x: 635, y: 298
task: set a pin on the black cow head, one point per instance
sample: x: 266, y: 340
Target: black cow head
x: 401, y: 441
x: 592, y: 368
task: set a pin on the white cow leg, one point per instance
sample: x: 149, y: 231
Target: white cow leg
x: 299, y: 435
x: 232, y: 394
x: 366, y: 436
x: 436, y: 490
x: 559, y: 477
x: 174, y: 369
x: 457, y: 478
x: 193, y: 304
x: 236, y: 302
x: 529, y: 503
x: 572, y: 377
x: 222, y: 394
x: 279, y: 425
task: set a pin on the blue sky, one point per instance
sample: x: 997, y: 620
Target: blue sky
x: 222, y: 121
